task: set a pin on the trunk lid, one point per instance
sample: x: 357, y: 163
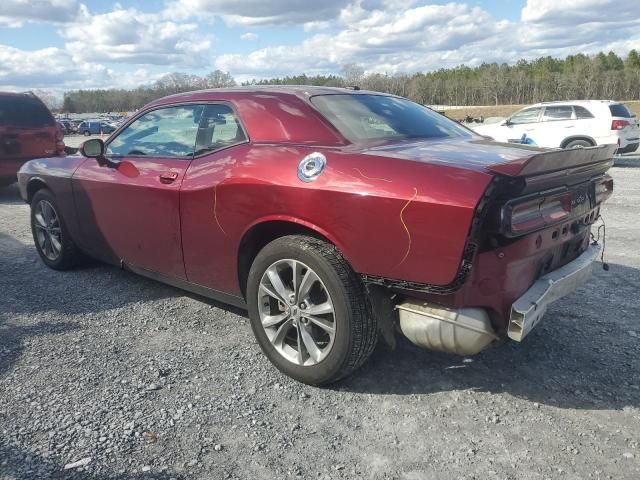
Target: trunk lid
x: 511, y: 160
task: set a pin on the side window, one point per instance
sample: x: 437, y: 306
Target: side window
x: 166, y: 132
x: 219, y: 128
x: 582, y: 113
x: 529, y: 115
x: 561, y: 112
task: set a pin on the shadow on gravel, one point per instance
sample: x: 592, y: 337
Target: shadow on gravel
x: 23, y: 465
x: 13, y: 337
x: 584, y: 355
x: 29, y: 287
x: 10, y: 195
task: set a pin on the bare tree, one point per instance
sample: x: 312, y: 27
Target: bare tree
x: 219, y: 79
x: 353, y: 74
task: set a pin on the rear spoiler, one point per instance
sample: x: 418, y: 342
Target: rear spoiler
x: 554, y: 160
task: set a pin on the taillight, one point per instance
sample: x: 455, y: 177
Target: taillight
x: 603, y: 189
x: 619, y: 124
x: 60, y: 141
x: 536, y: 214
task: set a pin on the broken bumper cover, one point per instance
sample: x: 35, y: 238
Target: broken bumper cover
x: 529, y: 309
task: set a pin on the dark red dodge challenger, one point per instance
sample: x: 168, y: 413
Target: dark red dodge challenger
x: 337, y: 217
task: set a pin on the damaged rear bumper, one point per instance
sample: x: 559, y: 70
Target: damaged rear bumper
x: 467, y: 331
x: 528, y: 310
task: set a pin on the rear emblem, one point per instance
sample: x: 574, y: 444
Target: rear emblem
x: 311, y: 167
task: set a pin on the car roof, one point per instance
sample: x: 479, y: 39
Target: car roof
x: 18, y: 94
x: 302, y: 91
x: 575, y: 102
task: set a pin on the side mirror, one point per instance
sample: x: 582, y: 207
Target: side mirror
x: 93, y: 148
x: 507, y: 123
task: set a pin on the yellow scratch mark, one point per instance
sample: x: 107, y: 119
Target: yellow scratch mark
x: 371, y: 178
x: 215, y: 208
x: 404, y: 225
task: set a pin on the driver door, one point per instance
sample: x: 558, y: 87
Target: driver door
x: 129, y: 210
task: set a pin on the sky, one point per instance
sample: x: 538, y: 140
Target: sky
x: 61, y: 45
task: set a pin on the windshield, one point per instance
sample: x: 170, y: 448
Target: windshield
x: 378, y: 117
x: 620, y: 110
x: 24, y: 111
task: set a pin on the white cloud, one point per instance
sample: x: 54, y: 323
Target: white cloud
x: 249, y: 37
x: 48, y: 67
x: 381, y: 40
x: 420, y: 37
x: 130, y: 36
x: 260, y: 12
x: 386, y: 36
x: 54, y: 69
x: 588, y: 24
x: 16, y: 12
x: 566, y: 12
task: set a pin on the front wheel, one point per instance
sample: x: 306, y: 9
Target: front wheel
x: 579, y: 144
x: 308, y: 310
x: 50, y: 234
x: 87, y: 133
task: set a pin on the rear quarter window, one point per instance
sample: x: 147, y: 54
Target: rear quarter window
x: 582, y: 113
x: 562, y: 112
x: 365, y: 117
x: 24, y: 111
x: 620, y: 110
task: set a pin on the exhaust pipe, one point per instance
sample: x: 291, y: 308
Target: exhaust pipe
x: 465, y: 331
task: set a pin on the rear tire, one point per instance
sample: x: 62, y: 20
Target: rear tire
x: 343, y: 335
x: 50, y: 234
x: 578, y: 144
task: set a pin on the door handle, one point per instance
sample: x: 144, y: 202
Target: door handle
x: 168, y: 177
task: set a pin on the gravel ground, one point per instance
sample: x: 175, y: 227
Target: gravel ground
x: 107, y: 375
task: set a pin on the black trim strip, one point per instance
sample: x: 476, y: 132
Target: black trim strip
x: 188, y: 286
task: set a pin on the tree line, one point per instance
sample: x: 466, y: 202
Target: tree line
x: 601, y: 76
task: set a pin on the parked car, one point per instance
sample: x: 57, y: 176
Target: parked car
x: 92, y: 127
x: 74, y: 125
x: 66, y: 126
x: 27, y: 130
x: 334, y: 216
x: 570, y: 124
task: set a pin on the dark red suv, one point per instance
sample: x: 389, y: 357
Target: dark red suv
x: 27, y: 131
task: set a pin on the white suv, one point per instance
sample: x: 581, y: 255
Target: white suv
x: 570, y: 124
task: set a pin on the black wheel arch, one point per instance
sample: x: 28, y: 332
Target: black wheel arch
x: 586, y: 138
x: 33, y: 186
x: 261, y: 234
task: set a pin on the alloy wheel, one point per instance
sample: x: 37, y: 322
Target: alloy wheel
x: 48, y: 231
x: 296, y: 312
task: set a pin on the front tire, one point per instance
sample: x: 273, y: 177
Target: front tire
x: 578, y: 144
x: 308, y: 310
x: 50, y: 234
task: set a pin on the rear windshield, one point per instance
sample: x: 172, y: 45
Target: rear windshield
x: 620, y: 110
x: 25, y: 112
x: 377, y: 117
